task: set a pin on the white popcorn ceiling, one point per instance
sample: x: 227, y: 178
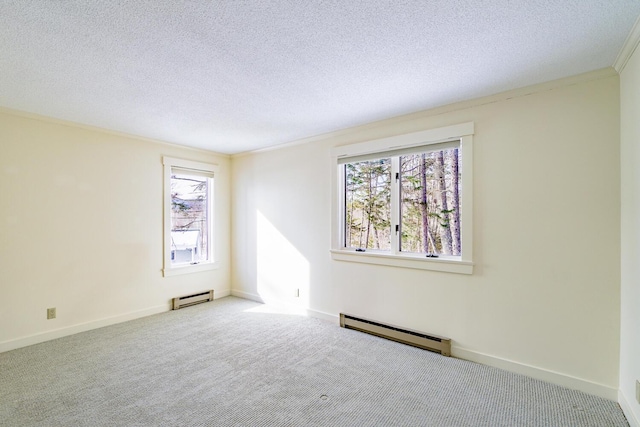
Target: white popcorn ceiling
x: 231, y: 76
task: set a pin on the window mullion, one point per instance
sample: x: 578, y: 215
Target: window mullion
x: 342, y: 202
x: 210, y: 220
x: 395, y: 205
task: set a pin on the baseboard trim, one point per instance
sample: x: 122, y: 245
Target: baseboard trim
x: 247, y: 295
x: 310, y: 312
x: 221, y: 294
x: 553, y: 377
x: 82, y: 327
x: 626, y: 408
x: 324, y: 316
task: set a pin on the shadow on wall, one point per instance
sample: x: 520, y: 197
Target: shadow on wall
x: 282, y: 271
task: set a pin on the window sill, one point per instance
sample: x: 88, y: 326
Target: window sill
x: 188, y: 269
x: 404, y: 261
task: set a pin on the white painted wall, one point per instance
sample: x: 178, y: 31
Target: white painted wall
x: 630, y: 237
x: 544, y: 296
x: 81, y: 229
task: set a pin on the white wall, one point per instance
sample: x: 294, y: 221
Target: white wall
x: 544, y: 296
x: 630, y: 228
x: 81, y: 229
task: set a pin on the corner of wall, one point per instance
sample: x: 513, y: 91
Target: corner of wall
x: 626, y: 409
x: 628, y: 64
x: 628, y: 48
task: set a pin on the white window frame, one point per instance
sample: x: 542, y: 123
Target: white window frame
x: 382, y: 147
x: 171, y: 270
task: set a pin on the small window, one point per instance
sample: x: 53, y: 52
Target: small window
x: 406, y: 198
x: 189, y: 190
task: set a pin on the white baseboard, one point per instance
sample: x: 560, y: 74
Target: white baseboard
x: 82, y: 327
x: 221, y: 294
x: 324, y: 316
x: 247, y: 295
x: 553, y: 377
x: 626, y: 408
x: 310, y: 312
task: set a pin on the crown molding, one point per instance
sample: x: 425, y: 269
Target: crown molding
x: 629, y: 46
x: 68, y: 123
x: 456, y: 106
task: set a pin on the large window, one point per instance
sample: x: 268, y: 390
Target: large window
x: 406, y: 201
x: 427, y: 184
x: 188, y: 216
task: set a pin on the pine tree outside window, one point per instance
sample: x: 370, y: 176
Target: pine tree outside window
x: 406, y: 201
x: 430, y: 202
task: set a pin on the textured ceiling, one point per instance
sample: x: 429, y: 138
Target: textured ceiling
x: 231, y: 76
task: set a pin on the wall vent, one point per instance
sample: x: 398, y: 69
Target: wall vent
x: 406, y: 336
x: 186, y: 301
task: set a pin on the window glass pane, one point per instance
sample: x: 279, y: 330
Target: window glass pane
x: 189, y: 217
x: 367, y: 204
x: 430, y: 202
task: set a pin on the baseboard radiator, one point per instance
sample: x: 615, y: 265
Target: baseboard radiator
x: 188, y: 300
x: 406, y: 336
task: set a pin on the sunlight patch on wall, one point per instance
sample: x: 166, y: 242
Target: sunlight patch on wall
x: 282, y: 271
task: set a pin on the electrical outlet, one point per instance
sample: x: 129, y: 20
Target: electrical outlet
x: 638, y: 391
x: 51, y: 313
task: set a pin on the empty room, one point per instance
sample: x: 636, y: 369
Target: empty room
x: 321, y: 213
